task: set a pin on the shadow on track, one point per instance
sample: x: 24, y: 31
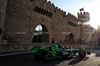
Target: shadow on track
x: 54, y: 62
x: 77, y: 60
x: 74, y: 60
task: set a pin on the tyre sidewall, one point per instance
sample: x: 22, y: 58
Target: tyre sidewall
x: 81, y: 53
x: 45, y: 56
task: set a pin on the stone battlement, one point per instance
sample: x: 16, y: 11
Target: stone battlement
x: 82, y: 13
x: 71, y: 15
x: 49, y: 6
x: 85, y: 14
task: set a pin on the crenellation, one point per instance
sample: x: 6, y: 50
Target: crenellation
x: 56, y: 8
x: 52, y: 4
x: 61, y: 11
x: 49, y: 2
x: 85, y: 14
x: 64, y: 13
x: 84, y: 17
x: 81, y: 13
x: 68, y: 13
x: 77, y: 13
x: 71, y: 15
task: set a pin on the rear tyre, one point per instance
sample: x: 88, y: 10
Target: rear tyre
x: 48, y: 56
x: 82, y: 53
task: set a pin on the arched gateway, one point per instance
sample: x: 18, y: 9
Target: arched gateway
x: 41, y: 34
x: 71, y: 37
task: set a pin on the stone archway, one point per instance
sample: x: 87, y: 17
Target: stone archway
x: 71, y: 37
x: 41, y: 34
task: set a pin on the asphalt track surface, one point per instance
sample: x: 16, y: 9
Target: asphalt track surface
x: 27, y: 59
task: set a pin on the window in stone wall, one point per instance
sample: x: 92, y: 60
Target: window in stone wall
x: 39, y: 10
x: 42, y: 11
x: 47, y: 13
x: 51, y: 15
x: 36, y: 9
x: 72, y: 24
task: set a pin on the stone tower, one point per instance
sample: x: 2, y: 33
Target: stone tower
x: 85, y: 29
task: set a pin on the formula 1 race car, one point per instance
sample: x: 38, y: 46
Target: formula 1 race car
x: 47, y: 54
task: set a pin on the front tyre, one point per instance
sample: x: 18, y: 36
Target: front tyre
x: 48, y: 56
x: 82, y: 53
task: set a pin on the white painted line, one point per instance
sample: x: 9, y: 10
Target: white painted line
x: 15, y: 53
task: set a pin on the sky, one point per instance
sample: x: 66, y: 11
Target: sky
x: 73, y: 6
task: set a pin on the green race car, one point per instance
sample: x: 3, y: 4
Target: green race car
x: 47, y: 54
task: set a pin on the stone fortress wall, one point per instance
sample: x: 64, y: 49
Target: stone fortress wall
x: 22, y: 17
x: 19, y: 18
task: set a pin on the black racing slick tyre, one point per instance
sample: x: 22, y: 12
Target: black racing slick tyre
x: 82, y: 53
x: 48, y: 56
